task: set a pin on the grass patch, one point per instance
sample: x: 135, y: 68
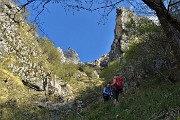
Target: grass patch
x: 18, y: 102
x: 150, y: 103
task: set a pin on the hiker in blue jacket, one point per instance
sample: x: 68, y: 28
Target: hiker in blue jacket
x: 107, y: 92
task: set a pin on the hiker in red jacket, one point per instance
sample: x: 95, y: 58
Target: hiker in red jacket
x: 116, y: 87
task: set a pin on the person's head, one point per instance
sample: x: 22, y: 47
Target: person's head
x: 109, y: 84
x: 118, y: 74
x: 114, y: 77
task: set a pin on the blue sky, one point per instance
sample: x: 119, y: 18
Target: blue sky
x: 79, y: 30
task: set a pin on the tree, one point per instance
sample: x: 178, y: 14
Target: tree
x: 166, y: 11
x: 169, y: 23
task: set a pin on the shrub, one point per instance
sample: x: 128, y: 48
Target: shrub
x: 87, y: 69
x: 110, y: 70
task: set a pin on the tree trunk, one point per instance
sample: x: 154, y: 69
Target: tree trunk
x: 174, y: 36
x: 169, y: 27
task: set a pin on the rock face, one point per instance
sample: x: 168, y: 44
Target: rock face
x: 63, y: 59
x: 20, y: 51
x: 101, y: 62
x: 71, y: 56
x: 120, y: 43
x: 121, y: 40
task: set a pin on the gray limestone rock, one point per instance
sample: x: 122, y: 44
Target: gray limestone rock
x: 121, y: 41
x: 21, y: 54
x: 71, y: 56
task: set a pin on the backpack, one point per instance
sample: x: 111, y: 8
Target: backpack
x: 119, y: 84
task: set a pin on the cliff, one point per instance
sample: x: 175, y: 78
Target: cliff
x: 68, y: 56
x: 21, y: 54
x: 121, y: 40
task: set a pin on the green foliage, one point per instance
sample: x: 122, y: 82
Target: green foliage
x: 87, y: 69
x: 150, y: 55
x: 135, y: 50
x: 70, y: 69
x: 149, y: 52
x: 147, y: 47
x: 53, y: 56
x: 140, y: 27
x: 65, y: 71
x: 108, y: 72
x: 48, y: 49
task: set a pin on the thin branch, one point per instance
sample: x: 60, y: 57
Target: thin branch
x: 131, y: 4
x: 41, y: 10
x: 36, y: 7
x: 26, y: 4
x: 113, y: 7
x: 169, y: 6
x: 174, y: 3
x: 78, y: 7
x: 89, y: 9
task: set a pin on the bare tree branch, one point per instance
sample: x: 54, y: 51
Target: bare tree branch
x: 26, y: 4
x: 169, y: 6
x: 43, y: 7
x: 172, y: 4
x: 89, y: 9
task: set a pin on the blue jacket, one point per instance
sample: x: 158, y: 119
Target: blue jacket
x: 107, y: 90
